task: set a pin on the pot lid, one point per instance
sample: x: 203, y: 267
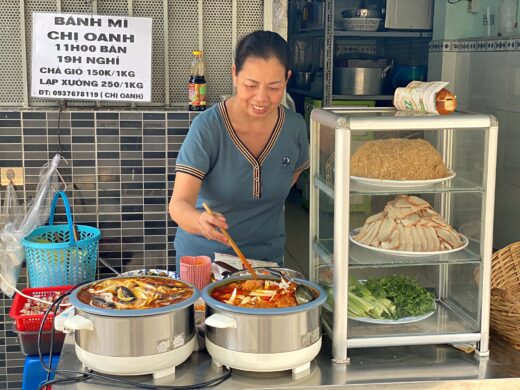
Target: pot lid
x: 74, y: 300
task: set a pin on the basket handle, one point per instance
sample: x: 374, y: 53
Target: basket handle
x: 67, y: 211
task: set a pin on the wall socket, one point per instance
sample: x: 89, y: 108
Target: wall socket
x: 15, y: 174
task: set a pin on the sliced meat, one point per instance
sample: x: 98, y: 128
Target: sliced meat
x: 387, y: 227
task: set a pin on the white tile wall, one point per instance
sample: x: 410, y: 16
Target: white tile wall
x: 485, y: 76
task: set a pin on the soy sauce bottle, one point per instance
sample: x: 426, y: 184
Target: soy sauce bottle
x: 197, y: 83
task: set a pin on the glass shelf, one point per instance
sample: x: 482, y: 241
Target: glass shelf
x: 362, y: 257
x: 445, y: 325
x: 467, y: 144
x: 456, y: 184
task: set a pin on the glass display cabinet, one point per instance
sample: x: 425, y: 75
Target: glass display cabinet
x: 459, y: 277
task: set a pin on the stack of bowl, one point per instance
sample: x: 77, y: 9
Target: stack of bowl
x: 361, y: 19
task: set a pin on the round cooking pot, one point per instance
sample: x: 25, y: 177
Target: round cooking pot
x: 302, y: 79
x: 359, y: 81
x: 133, y: 342
x: 263, y: 339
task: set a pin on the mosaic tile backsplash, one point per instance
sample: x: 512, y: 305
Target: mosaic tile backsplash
x: 119, y: 171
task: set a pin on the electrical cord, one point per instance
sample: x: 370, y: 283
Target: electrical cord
x: 83, y: 376
x: 54, y: 306
x: 25, y: 295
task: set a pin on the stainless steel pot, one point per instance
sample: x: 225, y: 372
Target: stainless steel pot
x: 262, y: 331
x: 136, y: 335
x: 302, y: 79
x: 359, y: 81
x: 126, y: 335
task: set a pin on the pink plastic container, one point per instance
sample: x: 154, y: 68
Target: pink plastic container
x: 196, y: 270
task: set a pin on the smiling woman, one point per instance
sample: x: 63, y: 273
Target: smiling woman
x: 241, y: 157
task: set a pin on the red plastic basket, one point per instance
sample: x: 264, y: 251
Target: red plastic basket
x: 31, y: 322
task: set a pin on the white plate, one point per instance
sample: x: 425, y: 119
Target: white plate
x: 402, y: 183
x: 406, y: 253
x: 404, y: 320
x: 151, y: 272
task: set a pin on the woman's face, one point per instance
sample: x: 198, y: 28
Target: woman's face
x: 260, y: 85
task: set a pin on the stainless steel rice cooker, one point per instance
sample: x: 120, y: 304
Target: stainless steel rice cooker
x: 263, y: 340
x: 133, y: 342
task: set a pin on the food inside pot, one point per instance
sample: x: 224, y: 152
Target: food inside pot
x: 262, y: 293
x: 135, y: 293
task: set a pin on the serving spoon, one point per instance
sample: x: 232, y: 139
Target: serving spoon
x: 109, y: 267
x: 234, y: 246
x: 303, y: 294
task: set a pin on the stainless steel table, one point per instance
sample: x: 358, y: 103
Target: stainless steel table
x: 417, y: 367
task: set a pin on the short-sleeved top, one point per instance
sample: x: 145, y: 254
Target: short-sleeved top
x: 250, y: 192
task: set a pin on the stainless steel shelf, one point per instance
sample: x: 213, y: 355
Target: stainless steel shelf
x: 304, y: 92
x: 383, y: 34
x: 363, y: 97
x: 457, y: 184
x: 318, y: 33
x: 319, y: 95
x: 311, y: 33
x: 360, y: 257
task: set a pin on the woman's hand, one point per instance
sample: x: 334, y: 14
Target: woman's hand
x: 182, y: 210
x: 209, y: 227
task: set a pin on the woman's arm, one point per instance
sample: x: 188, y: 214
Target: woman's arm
x: 295, y: 177
x: 182, y: 210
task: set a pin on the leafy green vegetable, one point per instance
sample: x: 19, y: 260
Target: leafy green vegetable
x: 409, y: 297
x: 390, y: 297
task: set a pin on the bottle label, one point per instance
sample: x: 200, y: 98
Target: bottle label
x: 197, y: 94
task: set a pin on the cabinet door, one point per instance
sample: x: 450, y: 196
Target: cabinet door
x: 409, y: 14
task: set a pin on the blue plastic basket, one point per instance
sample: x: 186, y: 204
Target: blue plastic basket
x: 55, y: 258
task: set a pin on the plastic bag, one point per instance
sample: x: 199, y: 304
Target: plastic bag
x: 12, y: 213
x: 17, y: 226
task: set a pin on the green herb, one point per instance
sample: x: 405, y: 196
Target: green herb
x: 409, y: 297
x: 390, y: 297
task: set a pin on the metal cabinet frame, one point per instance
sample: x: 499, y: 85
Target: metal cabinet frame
x: 338, y: 119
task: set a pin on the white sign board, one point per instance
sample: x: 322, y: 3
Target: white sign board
x: 91, y: 57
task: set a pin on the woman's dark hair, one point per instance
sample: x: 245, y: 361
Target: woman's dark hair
x: 262, y: 44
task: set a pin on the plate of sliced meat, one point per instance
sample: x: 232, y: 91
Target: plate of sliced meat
x: 408, y: 226
x: 355, y: 232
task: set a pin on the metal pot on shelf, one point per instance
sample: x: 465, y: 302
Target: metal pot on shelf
x: 263, y: 340
x: 302, y: 80
x: 355, y: 80
x: 133, y: 342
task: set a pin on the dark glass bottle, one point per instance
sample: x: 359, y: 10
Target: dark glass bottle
x: 197, y: 83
